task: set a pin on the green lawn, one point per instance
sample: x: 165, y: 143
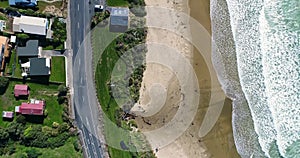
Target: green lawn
x: 37, y: 91
x: 13, y: 67
x: 4, y: 4
x: 58, y: 72
x: 66, y: 151
x: 119, y: 3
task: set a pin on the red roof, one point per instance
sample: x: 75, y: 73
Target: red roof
x: 32, y: 109
x: 21, y: 90
x: 8, y: 114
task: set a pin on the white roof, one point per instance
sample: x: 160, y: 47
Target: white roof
x: 119, y: 11
x: 29, y: 24
x: 13, y: 39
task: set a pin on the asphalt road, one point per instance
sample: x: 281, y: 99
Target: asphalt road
x: 85, y: 102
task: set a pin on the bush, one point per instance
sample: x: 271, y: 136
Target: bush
x: 55, y: 125
x: 33, y: 153
x: 62, y: 90
x: 76, y: 145
x: 3, y: 84
x: 64, y: 127
x: 21, y: 119
x: 58, y: 141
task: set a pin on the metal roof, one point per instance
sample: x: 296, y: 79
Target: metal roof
x: 30, y: 50
x: 118, y: 11
x: 30, y: 24
x: 39, y: 67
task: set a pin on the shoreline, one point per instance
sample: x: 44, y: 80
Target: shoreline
x: 219, y: 141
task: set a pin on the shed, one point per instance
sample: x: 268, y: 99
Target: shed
x: 7, y: 114
x: 119, y: 19
x: 21, y: 90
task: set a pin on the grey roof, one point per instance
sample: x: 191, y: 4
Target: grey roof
x: 119, y: 20
x: 38, y: 67
x: 119, y: 16
x: 117, y: 11
x: 31, y: 49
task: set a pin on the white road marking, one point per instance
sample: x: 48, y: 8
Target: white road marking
x: 78, y: 7
x: 78, y: 25
x: 82, y: 99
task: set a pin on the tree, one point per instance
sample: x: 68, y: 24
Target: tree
x: 3, y: 84
x: 22, y: 36
x: 21, y: 119
x: 62, y: 90
x: 33, y: 153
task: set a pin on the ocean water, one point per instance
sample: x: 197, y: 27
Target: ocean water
x: 256, y: 54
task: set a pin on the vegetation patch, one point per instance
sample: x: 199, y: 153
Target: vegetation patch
x: 26, y: 135
x: 118, y: 3
x: 58, y: 72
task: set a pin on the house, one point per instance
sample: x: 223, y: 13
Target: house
x: 8, y: 114
x: 21, y: 90
x: 4, y: 52
x: 30, y: 50
x: 39, y: 67
x: 119, y: 19
x: 31, y: 25
x: 23, y: 3
x: 35, y: 107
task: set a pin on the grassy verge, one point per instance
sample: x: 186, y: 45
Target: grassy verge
x: 118, y: 3
x: 58, y: 72
x: 111, y: 65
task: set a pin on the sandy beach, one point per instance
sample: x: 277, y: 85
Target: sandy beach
x: 219, y: 141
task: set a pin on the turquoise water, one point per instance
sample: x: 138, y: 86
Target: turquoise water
x: 257, y: 42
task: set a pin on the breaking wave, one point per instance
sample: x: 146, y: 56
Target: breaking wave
x: 256, y: 54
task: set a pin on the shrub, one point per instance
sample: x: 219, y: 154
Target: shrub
x: 3, y: 84
x: 33, y: 153
x: 21, y: 119
x: 55, y: 125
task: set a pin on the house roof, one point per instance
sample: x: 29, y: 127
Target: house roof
x: 30, y: 50
x: 8, y: 114
x: 4, y: 42
x: 39, y: 66
x: 30, y: 24
x: 21, y: 90
x: 119, y: 16
x: 29, y: 2
x: 32, y: 109
x: 119, y: 11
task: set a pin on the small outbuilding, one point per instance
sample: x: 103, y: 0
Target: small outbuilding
x: 8, y: 114
x: 119, y: 19
x: 21, y: 90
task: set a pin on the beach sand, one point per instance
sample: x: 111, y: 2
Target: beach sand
x: 219, y: 141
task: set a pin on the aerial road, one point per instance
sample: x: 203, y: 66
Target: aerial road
x: 85, y: 103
